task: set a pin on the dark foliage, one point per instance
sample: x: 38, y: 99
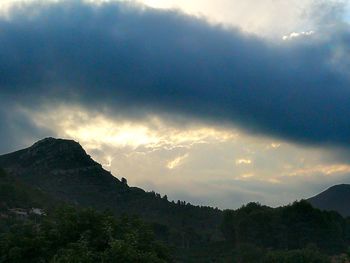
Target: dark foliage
x: 71, y: 235
x: 286, y: 228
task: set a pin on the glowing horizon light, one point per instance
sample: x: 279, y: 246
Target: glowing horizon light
x: 156, y: 153
x: 152, y: 133
x: 123, y: 135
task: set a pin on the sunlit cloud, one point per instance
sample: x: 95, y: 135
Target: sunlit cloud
x: 252, y: 177
x: 246, y: 176
x: 275, y: 145
x: 243, y: 161
x: 298, y: 34
x: 273, y: 180
x: 109, y: 162
x: 105, y: 132
x: 202, y: 163
x: 96, y: 130
x: 329, y: 170
x: 265, y: 18
x: 176, y: 162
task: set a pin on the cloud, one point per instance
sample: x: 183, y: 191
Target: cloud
x: 133, y: 61
x: 16, y: 129
x: 96, y: 130
x: 176, y: 162
x: 266, y: 18
x: 243, y: 161
x: 296, y: 34
x: 202, y: 157
x: 328, y: 170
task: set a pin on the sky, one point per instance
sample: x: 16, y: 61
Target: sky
x: 216, y: 103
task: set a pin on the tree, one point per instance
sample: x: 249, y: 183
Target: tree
x: 124, y: 181
x: 71, y: 235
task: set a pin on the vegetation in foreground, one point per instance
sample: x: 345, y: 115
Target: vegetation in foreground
x: 66, y: 233
x: 295, y: 233
x: 80, y: 235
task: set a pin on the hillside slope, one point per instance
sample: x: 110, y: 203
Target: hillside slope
x: 16, y: 194
x: 335, y: 198
x: 62, y: 169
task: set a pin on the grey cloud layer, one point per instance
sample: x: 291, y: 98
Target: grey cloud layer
x: 149, y: 61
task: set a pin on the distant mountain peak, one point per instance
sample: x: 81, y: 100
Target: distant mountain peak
x: 335, y: 198
x: 339, y: 186
x: 54, y: 153
x: 335, y: 190
x: 47, y: 140
x: 63, y: 151
x: 50, y: 141
x: 62, y: 168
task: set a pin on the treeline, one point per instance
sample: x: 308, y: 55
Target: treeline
x: 285, y: 234
x: 180, y: 223
x: 70, y: 235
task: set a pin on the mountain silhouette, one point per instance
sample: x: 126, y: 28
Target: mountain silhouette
x: 62, y: 169
x: 53, y: 172
x: 335, y: 198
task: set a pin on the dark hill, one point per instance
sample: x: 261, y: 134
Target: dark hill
x: 335, y: 198
x: 16, y: 194
x: 62, y: 169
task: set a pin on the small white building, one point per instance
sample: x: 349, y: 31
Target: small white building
x: 37, y: 211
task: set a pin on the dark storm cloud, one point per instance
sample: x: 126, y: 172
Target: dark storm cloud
x: 16, y: 129
x: 138, y: 60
